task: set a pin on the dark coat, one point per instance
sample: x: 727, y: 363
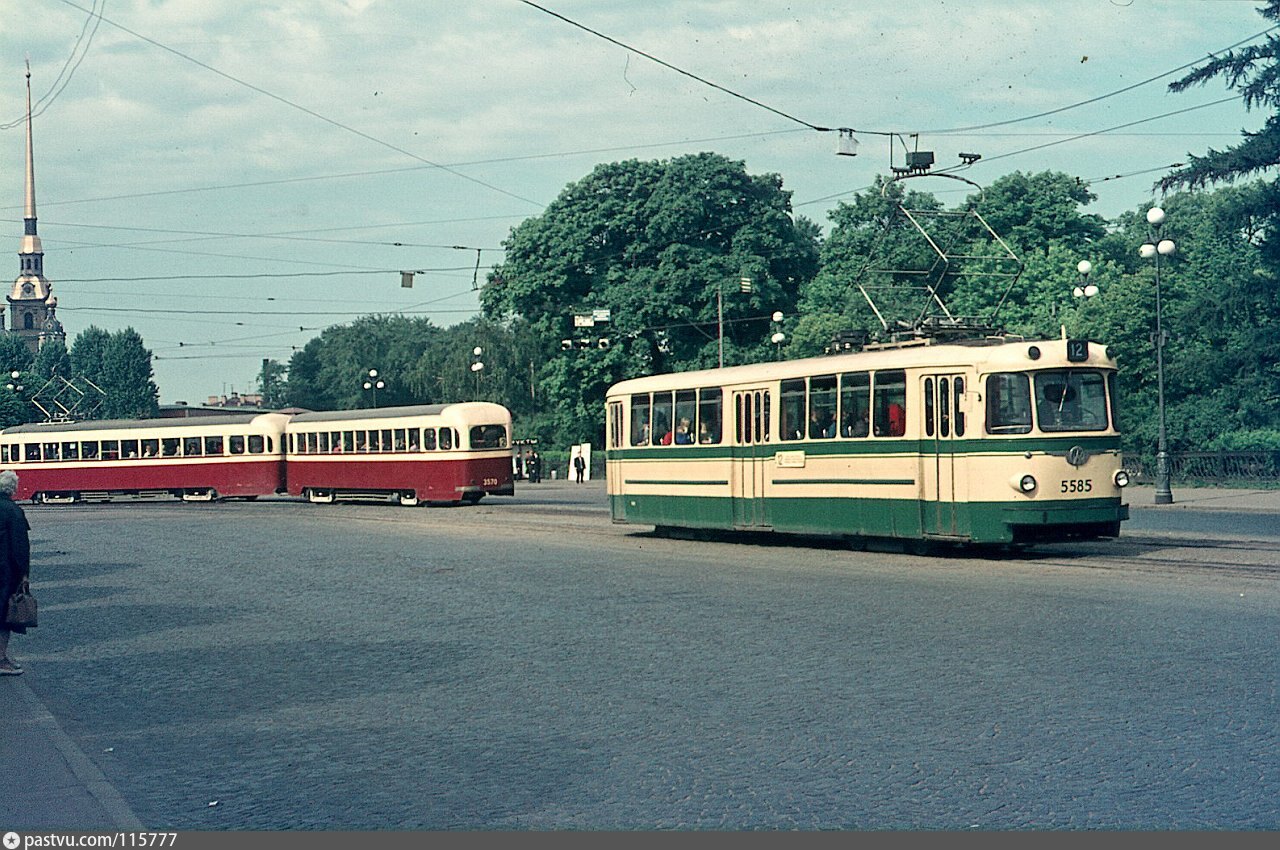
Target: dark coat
x: 15, y: 549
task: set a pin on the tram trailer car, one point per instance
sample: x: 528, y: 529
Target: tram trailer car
x: 237, y: 455
x: 982, y: 441
x: 441, y: 453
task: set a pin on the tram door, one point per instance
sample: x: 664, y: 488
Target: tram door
x: 750, y: 457
x: 944, y: 425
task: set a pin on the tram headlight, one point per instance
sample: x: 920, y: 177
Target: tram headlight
x: 1023, y: 483
x: 1121, y: 478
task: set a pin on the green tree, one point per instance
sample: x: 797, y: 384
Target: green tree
x: 127, y: 378
x: 273, y: 384
x: 658, y: 244
x: 15, y: 404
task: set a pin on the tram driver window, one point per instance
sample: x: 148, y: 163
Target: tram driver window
x: 1008, y: 403
x: 889, y: 402
x: 792, y: 414
x: 428, y: 439
x: 256, y: 444
x: 446, y: 438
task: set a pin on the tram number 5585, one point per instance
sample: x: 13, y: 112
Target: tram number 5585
x: 1078, y: 485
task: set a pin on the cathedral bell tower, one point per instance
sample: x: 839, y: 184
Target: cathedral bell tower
x: 32, y: 313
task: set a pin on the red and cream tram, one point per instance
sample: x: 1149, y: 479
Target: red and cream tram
x: 427, y: 453
x: 238, y: 455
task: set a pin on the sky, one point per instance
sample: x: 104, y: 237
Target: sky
x: 229, y: 178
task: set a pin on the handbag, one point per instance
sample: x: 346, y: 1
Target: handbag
x: 21, y: 610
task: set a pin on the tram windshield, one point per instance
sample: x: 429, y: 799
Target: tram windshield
x: 1062, y: 400
x: 1071, y: 400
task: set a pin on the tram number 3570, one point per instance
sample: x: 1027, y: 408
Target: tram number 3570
x: 1078, y: 485
x: 491, y: 482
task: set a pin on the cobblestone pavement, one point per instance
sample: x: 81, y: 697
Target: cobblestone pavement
x: 279, y: 665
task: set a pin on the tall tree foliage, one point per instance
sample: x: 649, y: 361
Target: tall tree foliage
x: 120, y: 365
x: 659, y: 244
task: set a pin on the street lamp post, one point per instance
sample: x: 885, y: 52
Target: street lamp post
x: 1084, y: 290
x: 778, y: 336
x: 374, y: 383
x: 477, y: 366
x: 744, y: 285
x: 1155, y: 247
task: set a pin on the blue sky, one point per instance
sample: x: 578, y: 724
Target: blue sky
x: 230, y: 177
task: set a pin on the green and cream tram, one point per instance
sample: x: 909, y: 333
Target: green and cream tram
x: 979, y: 441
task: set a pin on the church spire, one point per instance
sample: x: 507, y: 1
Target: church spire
x: 29, y: 299
x: 29, y: 205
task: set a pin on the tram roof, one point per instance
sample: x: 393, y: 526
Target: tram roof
x: 182, y: 423
x: 996, y: 353
x: 388, y: 412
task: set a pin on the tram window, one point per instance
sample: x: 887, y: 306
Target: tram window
x: 322, y: 443
x: 150, y: 448
x: 944, y: 406
x: 662, y: 422
x: 710, y: 415
x: 270, y: 446
x: 928, y: 407
x: 361, y: 441
x: 446, y: 438
x: 889, y: 401
x: 855, y: 404
x: 51, y: 451
x: 70, y: 451
x: 1008, y: 403
x: 1113, y: 393
x: 4, y: 453
x: 822, y: 407
x: 958, y: 388
x: 348, y: 441
x: 686, y: 414
x: 169, y: 446
x: 762, y: 417
x: 256, y: 444
x: 191, y: 447
x: 488, y: 437
x: 399, y: 439
x: 1070, y: 400
x: 413, y: 439
x: 792, y: 424
x: 32, y: 451
x: 89, y: 449
x: 640, y: 419
x: 213, y: 445
x: 386, y: 440
x: 335, y: 441
x: 429, y: 439
x: 128, y: 448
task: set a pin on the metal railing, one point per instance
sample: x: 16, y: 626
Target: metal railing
x: 1221, y: 468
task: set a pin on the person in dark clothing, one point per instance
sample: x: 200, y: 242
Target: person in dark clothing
x: 579, y: 466
x: 15, y: 560
x: 534, y: 467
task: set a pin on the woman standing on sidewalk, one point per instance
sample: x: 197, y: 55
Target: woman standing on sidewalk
x: 15, y: 559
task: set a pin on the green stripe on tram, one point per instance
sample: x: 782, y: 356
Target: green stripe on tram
x: 985, y: 446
